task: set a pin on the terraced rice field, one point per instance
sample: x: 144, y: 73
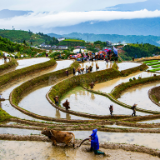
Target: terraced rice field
x: 81, y: 101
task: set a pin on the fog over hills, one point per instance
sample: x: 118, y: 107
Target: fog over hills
x: 147, y: 26
x: 96, y: 29
x: 154, y: 40
x: 6, y: 13
x: 150, y: 5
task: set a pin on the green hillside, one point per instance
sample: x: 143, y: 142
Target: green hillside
x: 72, y: 42
x: 11, y: 47
x: 34, y: 39
x: 141, y: 50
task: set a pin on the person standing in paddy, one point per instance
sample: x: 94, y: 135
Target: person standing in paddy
x: 111, y: 110
x: 95, y: 143
x: 134, y: 109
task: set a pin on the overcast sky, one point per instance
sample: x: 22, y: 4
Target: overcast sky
x: 56, y: 13
x: 61, y: 5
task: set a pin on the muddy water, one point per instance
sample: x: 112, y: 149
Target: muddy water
x: 84, y: 101
x: 103, y: 65
x: 3, y: 62
x: 109, y: 85
x: 139, y: 95
x: 17, y: 131
x: 36, y: 102
x: 142, y: 139
x: 146, y: 139
x: 127, y: 65
x: 8, y: 89
x: 28, y: 62
x: 45, y: 151
x: 151, y: 121
x: 25, y: 63
x: 62, y: 64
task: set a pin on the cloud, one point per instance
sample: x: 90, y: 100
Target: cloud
x: 61, y: 5
x: 51, y: 20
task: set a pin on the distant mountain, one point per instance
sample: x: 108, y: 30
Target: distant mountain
x: 147, y: 26
x: 114, y: 38
x: 150, y: 5
x: 6, y: 13
x: 54, y: 35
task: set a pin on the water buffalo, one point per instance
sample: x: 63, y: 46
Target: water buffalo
x: 59, y: 136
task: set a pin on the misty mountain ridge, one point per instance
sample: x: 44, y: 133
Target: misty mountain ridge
x: 150, y: 5
x: 114, y: 38
x: 146, y: 26
x: 6, y: 13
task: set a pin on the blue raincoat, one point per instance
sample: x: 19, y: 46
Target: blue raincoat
x: 94, y: 140
x: 115, y: 51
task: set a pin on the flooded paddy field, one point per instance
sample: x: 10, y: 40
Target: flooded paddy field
x: 126, y: 65
x: 36, y: 102
x: 62, y: 64
x: 150, y: 140
x: 80, y: 100
x: 139, y: 95
x: 143, y: 139
x: 150, y: 121
x: 8, y: 89
x: 17, y: 131
x: 45, y: 151
x: 109, y: 85
x: 84, y: 101
x: 22, y: 63
x: 103, y: 65
x: 28, y: 62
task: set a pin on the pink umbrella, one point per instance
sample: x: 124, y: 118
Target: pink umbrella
x: 79, y: 55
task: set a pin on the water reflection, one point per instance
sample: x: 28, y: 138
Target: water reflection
x: 103, y: 65
x: 28, y: 62
x: 58, y: 115
x: 109, y: 85
x: 93, y: 103
x: 6, y: 90
x: 139, y: 95
x: 36, y: 102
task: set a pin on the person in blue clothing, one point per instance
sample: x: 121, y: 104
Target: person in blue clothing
x: 95, y: 143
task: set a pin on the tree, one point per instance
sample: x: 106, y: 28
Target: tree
x: 24, y: 42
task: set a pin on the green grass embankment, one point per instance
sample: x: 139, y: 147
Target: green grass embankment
x: 150, y: 61
x: 154, y: 70
x: 123, y: 86
x: 18, y: 92
x: 8, y: 65
x: 154, y: 63
x: 7, y: 78
x: 4, y: 115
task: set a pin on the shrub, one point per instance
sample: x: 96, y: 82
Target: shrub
x: 134, y: 78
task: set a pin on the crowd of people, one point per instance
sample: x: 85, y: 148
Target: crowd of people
x: 108, y: 55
